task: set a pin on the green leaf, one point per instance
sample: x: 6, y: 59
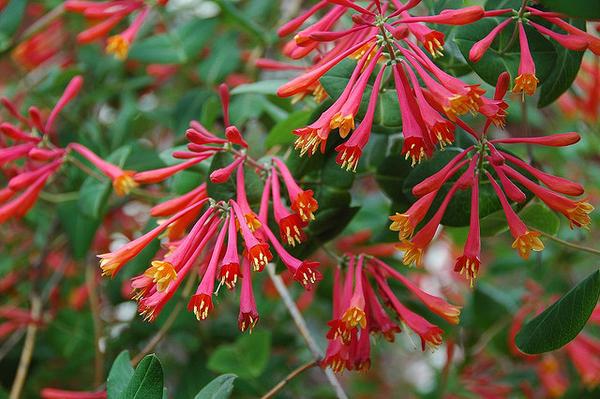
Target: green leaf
x: 219, y: 388
x: 119, y: 376
x: 576, y: 8
x: 247, y: 357
x: 539, y: 217
x: 177, y: 46
x: 282, y: 132
x: 189, y: 108
x: 10, y: 20
x: 563, y: 320
x: 564, y: 72
x: 147, y: 380
x: 501, y: 57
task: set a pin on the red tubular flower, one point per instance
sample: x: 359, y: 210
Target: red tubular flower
x: 19, y: 206
x: 430, y: 334
x: 305, y: 272
x: 302, y: 201
x: 53, y: 393
x: 342, y: 293
x: 70, y: 92
x: 248, y: 316
x: 201, y: 302
x: 525, y: 240
x: 355, y: 313
x: 448, y: 312
x: 482, y: 46
x: 576, y: 211
x: 405, y: 223
x: 230, y: 266
x: 112, y: 262
x: 349, y: 152
x: 123, y: 181
x: 242, y: 200
x: 290, y: 224
x: 555, y: 140
x: 159, y: 175
x: 257, y: 252
x: 469, y: 262
x: 526, y: 82
x: 176, y: 204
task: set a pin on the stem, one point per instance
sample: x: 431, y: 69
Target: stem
x: 90, y: 280
x: 287, y: 379
x: 569, y: 244
x: 525, y: 120
x: 303, y: 329
x: 27, y: 353
x: 515, y: 31
x: 162, y: 332
x: 85, y: 169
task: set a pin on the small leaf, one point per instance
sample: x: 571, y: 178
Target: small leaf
x: 219, y: 388
x: 223, y: 59
x: 119, y: 376
x: 562, y: 321
x: 147, y: 380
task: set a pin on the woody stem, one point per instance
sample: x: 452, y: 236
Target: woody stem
x: 570, y: 244
x: 90, y: 280
x: 288, y: 378
x: 303, y: 329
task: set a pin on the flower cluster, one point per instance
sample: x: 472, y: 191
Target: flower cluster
x: 487, y: 161
x: 358, y: 312
x: 106, y: 15
x: 201, y: 233
x: 583, y: 352
x: 573, y: 39
x: 381, y: 40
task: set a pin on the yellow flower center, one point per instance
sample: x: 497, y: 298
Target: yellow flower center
x: 124, y: 184
x: 161, y: 273
x: 117, y: 46
x: 529, y: 241
x: 526, y: 84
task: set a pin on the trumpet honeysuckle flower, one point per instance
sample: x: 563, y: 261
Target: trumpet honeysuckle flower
x: 201, y: 302
x: 290, y: 224
x: 54, y: 393
x: 470, y: 260
x: 349, y: 153
x: 122, y: 180
x: 405, y: 223
x: 302, y: 201
x: 248, y: 316
x: 526, y: 82
x: 525, y: 240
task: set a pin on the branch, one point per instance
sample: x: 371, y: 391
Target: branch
x: 570, y: 244
x: 289, y: 377
x: 90, y: 280
x: 303, y: 329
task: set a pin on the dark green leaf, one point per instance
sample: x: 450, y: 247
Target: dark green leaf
x: 562, y: 321
x: 119, y: 376
x: 147, y: 380
x: 268, y: 87
x: 224, y: 58
x: 219, y: 388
